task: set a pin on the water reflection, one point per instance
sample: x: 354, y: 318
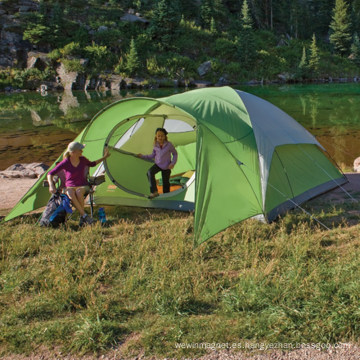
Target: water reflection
x: 329, y: 112
x: 35, y: 126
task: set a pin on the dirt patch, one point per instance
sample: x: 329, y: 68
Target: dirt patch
x: 12, y: 190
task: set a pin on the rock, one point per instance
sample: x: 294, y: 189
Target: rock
x: 204, y: 68
x: 357, y: 164
x: 16, y: 171
x: 38, y: 60
x: 131, y: 17
x: 90, y: 84
x: 201, y: 84
x: 285, y: 77
x: 71, y: 80
x: 102, y: 28
x: 117, y: 83
x: 222, y: 81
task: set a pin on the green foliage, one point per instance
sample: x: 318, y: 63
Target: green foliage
x: 88, y: 290
x: 246, y: 20
x: 340, y: 27
x: 206, y: 12
x: 269, y: 65
x: 165, y: 23
x: 245, y: 41
x: 235, y: 71
x: 99, y: 58
x: 81, y: 36
x: 171, y: 65
x: 71, y: 49
x: 32, y: 78
x: 225, y: 48
x: 132, y: 60
x: 36, y: 33
x: 314, y: 57
x: 303, y: 62
x: 72, y: 65
x: 230, y: 31
x: 54, y: 55
x: 6, y: 78
x: 213, y: 29
x: 302, y: 69
x: 355, y: 50
x: 110, y: 38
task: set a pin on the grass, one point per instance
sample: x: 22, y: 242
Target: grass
x: 139, y: 286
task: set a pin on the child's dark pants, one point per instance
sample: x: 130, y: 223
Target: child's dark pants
x: 165, y: 178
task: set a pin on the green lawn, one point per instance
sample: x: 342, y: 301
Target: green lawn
x: 138, y: 284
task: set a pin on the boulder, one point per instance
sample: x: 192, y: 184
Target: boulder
x: 38, y: 60
x: 131, y: 17
x: 204, y: 68
x: 222, y: 81
x: 71, y: 80
x: 117, y: 83
x: 16, y: 171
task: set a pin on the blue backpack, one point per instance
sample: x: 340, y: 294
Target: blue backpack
x: 55, y: 212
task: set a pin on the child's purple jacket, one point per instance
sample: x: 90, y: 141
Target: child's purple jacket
x: 162, y: 155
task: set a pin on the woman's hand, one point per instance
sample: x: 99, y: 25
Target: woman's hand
x: 171, y: 166
x: 52, y: 188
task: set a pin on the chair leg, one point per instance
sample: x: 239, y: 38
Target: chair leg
x: 91, y: 204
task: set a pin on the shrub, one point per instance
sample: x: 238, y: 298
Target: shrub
x: 235, y: 71
x: 54, y: 55
x: 72, y: 48
x: 269, y: 64
x: 31, y: 78
x: 72, y: 65
x: 225, y: 48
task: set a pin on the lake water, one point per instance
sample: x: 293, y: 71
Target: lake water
x: 36, y: 128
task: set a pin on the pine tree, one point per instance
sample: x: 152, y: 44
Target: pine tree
x: 132, y: 59
x: 206, y: 10
x: 302, y: 63
x: 314, y: 58
x: 57, y: 25
x: 213, y: 29
x: 165, y: 23
x: 340, y: 28
x: 355, y: 50
x: 246, y: 19
x: 246, y: 41
x: 302, y: 67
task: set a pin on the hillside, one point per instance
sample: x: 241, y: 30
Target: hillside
x: 213, y: 41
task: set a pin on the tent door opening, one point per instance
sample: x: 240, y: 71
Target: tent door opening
x: 136, y: 135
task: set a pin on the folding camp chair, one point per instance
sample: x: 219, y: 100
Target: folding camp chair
x: 93, y: 181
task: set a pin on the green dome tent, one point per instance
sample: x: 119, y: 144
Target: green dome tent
x: 244, y: 158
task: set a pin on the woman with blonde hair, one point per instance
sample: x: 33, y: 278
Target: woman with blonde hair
x: 75, y: 167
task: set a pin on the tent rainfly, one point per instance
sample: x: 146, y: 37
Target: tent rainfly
x: 238, y: 157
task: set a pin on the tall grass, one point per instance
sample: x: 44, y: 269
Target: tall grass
x: 139, y: 285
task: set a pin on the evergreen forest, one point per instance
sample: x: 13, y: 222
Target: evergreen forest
x: 243, y: 40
